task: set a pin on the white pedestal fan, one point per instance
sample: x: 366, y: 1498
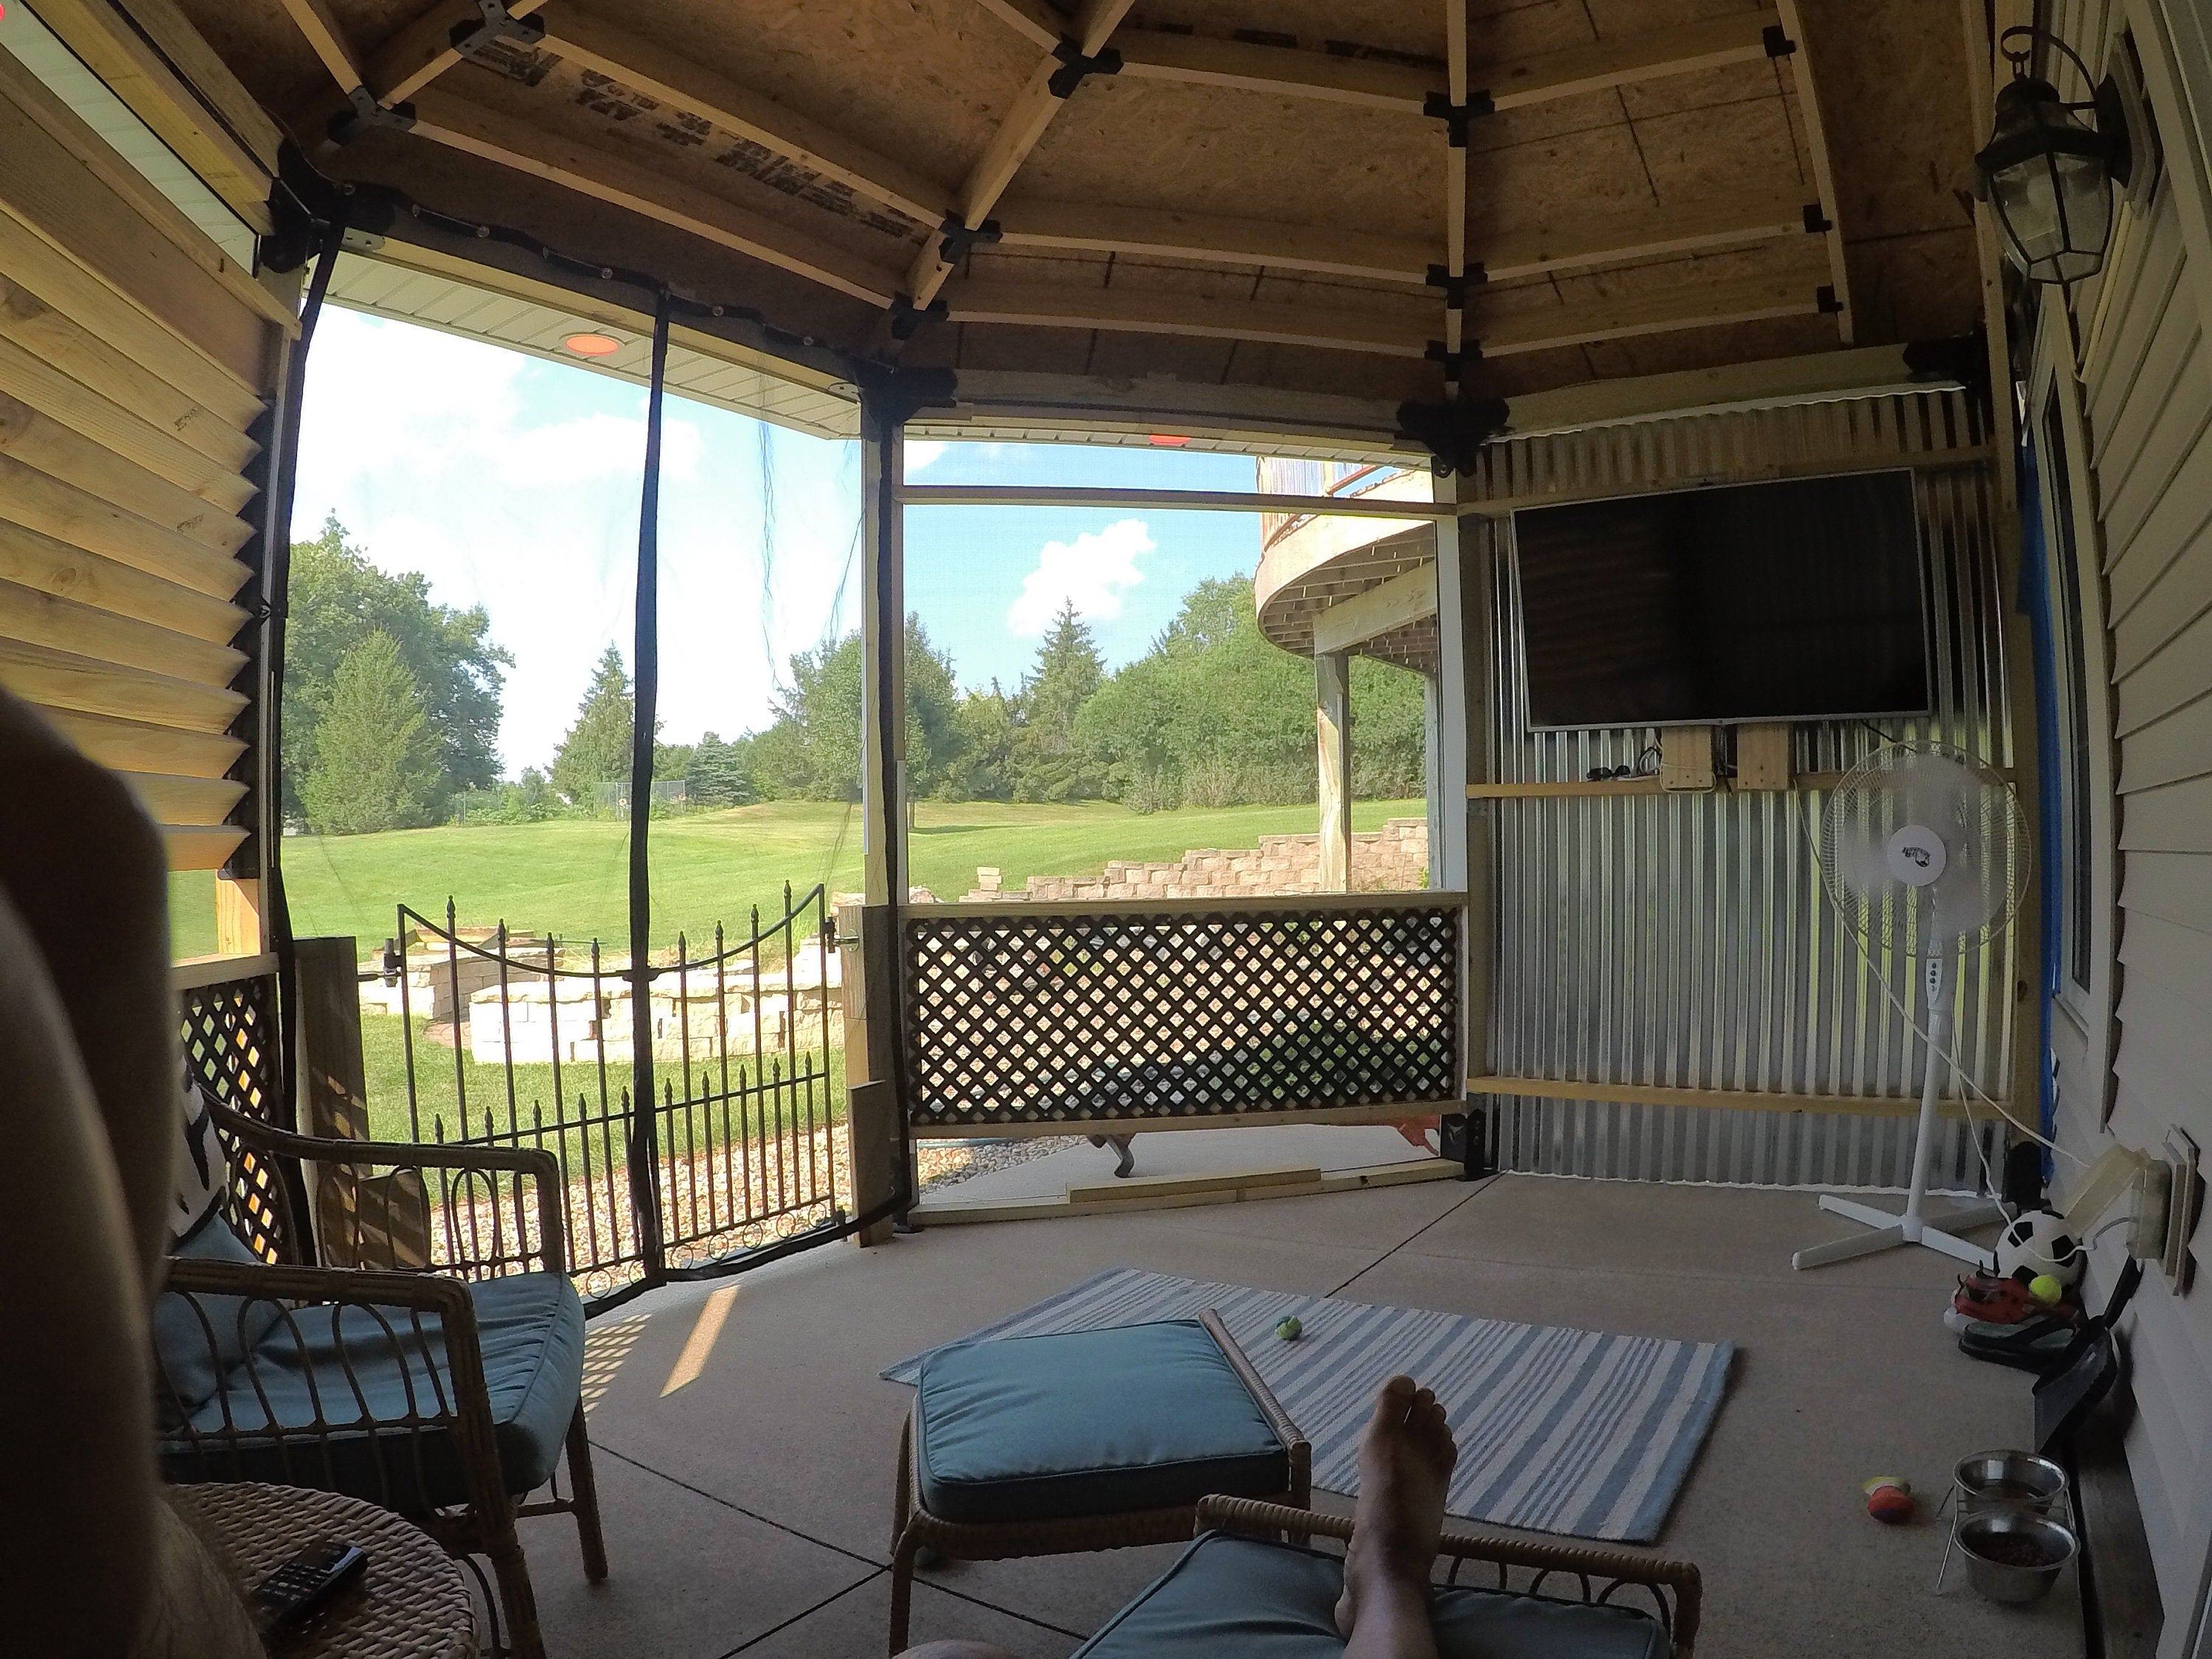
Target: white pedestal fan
x: 1924, y: 852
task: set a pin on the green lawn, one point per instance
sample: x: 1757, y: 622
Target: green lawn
x: 570, y: 876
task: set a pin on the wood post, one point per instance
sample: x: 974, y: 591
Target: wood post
x: 871, y: 1098
x: 238, y: 920
x: 870, y: 960
x: 1333, y: 732
x: 361, y: 1219
x: 1459, y: 836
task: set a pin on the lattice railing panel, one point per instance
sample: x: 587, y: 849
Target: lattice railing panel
x: 230, y: 1045
x: 1022, y: 1017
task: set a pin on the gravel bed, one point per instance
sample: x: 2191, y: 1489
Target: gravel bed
x: 941, y: 1165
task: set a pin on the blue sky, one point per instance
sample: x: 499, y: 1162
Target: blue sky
x: 513, y: 483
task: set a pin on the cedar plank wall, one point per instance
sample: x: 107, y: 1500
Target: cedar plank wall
x: 2146, y: 379
x: 133, y: 362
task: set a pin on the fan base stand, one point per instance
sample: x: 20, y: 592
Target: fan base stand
x: 1893, y: 1231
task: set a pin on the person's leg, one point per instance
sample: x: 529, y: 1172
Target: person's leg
x: 1405, y: 1461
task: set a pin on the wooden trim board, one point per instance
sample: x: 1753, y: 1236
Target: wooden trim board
x: 951, y: 1212
x: 1737, y: 1100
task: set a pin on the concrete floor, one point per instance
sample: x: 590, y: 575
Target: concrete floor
x: 749, y: 1511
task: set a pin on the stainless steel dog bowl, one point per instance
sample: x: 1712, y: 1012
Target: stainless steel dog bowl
x: 2007, y: 1480
x: 2013, y: 1555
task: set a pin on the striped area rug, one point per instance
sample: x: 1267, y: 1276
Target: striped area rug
x: 1559, y: 1431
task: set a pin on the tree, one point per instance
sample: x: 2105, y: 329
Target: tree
x: 720, y: 774
x: 1047, y: 764
x: 376, y: 761
x: 597, y: 749
x: 337, y: 599
x: 813, y: 750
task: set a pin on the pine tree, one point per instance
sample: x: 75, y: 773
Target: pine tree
x: 376, y: 759
x: 1047, y: 764
x: 597, y: 749
x: 718, y: 775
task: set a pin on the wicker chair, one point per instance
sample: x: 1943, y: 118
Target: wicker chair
x: 372, y: 1379
x: 1519, y: 1567
x: 915, y: 1528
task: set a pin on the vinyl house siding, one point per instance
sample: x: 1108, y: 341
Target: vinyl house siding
x: 2146, y: 401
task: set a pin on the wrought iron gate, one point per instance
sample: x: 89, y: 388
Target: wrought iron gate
x: 510, y: 1039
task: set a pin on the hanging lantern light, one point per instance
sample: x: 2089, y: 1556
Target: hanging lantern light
x: 2048, y: 173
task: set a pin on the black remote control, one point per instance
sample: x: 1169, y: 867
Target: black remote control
x: 293, y: 1594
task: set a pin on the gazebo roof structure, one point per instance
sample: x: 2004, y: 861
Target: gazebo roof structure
x: 1289, y: 212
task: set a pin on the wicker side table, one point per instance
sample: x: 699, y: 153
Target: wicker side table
x: 413, y: 1604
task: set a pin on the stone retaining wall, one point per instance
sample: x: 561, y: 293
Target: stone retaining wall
x: 1394, y: 858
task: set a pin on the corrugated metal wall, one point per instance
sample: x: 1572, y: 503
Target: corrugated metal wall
x: 1684, y: 940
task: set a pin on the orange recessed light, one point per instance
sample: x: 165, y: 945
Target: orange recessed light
x: 592, y: 345
x: 1168, y: 441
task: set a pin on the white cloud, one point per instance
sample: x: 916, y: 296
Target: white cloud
x: 1091, y: 573
x: 922, y: 454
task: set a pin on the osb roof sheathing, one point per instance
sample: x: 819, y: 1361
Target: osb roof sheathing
x: 929, y: 84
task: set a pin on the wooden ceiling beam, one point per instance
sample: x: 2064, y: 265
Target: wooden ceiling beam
x: 1127, y: 310
x: 1455, y: 139
x: 1204, y: 60
x: 1603, y: 65
x: 1212, y: 240
x: 1031, y: 112
x: 582, y: 37
x: 1666, y: 311
x: 326, y: 35
x: 220, y: 139
x: 423, y: 51
x: 1034, y: 20
x: 594, y: 171
x: 204, y: 72
x: 1574, y: 243
x: 1290, y: 71
x: 1508, y: 256
x: 1816, y: 145
x: 1496, y: 333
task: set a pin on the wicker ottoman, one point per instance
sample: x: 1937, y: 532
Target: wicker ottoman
x: 1089, y: 1440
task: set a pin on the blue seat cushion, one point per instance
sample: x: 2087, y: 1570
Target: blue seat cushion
x: 531, y: 1328
x: 193, y: 1355
x: 1145, y: 1416
x: 1241, y: 1598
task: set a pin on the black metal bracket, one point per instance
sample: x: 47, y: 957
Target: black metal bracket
x: 1453, y: 429
x: 1439, y: 107
x: 1075, y: 68
x: 494, y: 24
x: 1825, y: 297
x: 364, y: 115
x: 960, y: 238
x: 1817, y: 223
x: 1777, y: 41
x: 1457, y: 363
x: 890, y: 397
x: 907, y: 317
x: 1961, y: 357
x: 1456, y: 287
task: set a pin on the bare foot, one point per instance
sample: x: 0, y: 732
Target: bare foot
x: 1405, y: 1461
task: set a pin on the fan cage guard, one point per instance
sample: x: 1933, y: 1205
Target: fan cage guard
x: 1985, y: 838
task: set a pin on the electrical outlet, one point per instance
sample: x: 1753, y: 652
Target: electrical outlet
x: 2185, y: 1203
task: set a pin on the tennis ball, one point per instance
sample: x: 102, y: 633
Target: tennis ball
x: 2045, y: 1289
x: 1289, y: 1328
x: 1889, y: 1499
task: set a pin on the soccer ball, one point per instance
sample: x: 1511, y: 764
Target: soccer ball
x: 2036, y: 1243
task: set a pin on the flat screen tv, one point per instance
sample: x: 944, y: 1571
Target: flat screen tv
x: 1799, y: 599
